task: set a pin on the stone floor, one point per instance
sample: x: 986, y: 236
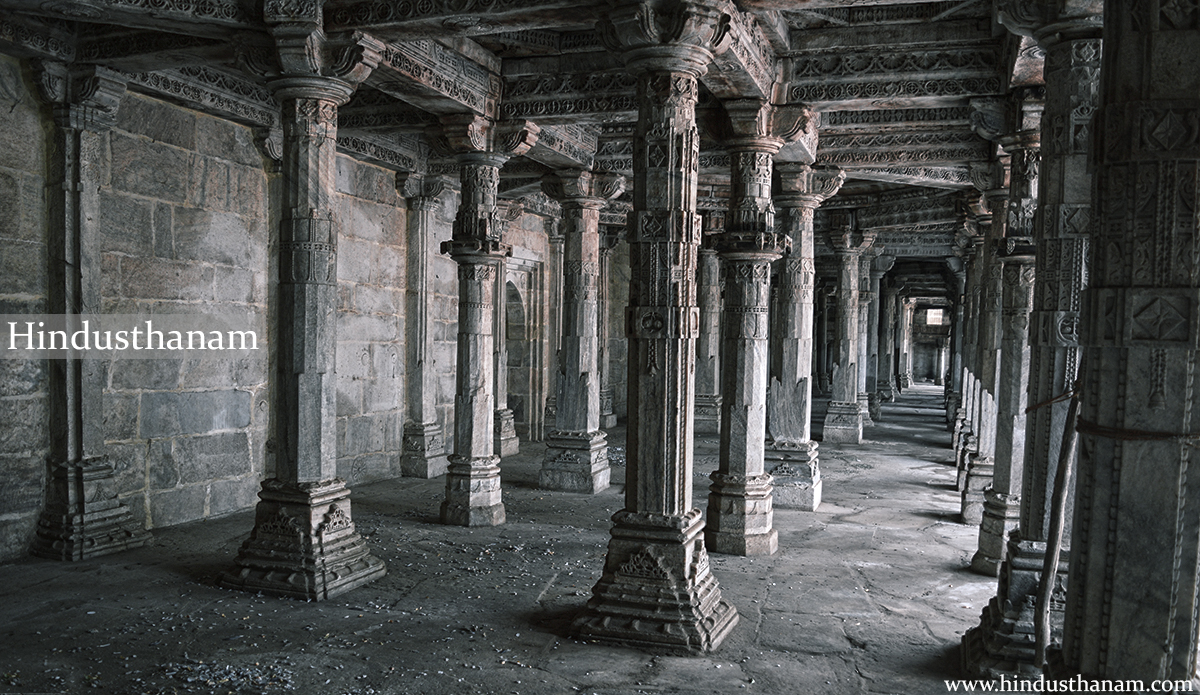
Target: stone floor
x: 869, y: 594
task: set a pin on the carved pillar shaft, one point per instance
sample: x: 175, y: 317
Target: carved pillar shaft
x: 1133, y: 599
x: 708, y: 342
x: 83, y: 517
x: 790, y: 452
x: 554, y: 262
x: 604, y: 331
x: 886, y: 376
x: 657, y: 538
x: 304, y: 542
x: 844, y: 421
x: 424, y: 453
x: 879, y: 266
x: 577, y: 451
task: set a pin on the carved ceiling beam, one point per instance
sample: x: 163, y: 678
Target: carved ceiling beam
x: 212, y: 91
x: 435, y: 78
x: 872, y: 33
x: 894, y: 79
x: 565, y: 147
x: 399, y: 153
x: 951, y: 147
x: 207, y: 18
x: 894, y: 120
x: 137, y: 50
x: 29, y: 37
x: 567, y: 96
x: 951, y: 177
x: 391, y: 117
x: 746, y: 69
x: 458, y: 17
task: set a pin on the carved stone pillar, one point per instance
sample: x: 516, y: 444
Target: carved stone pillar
x: 822, y: 356
x: 657, y: 590
x: 473, y: 495
x: 554, y: 262
x: 83, y: 518
x: 504, y: 430
x: 304, y: 543
x: 1002, y: 498
x: 1004, y: 640
x: 739, y: 504
x: 954, y: 399
x: 424, y: 454
x: 1132, y: 600
x: 862, y: 343
x: 844, y: 421
x: 708, y: 344
x: 608, y: 418
x: 885, y: 380
x: 791, y: 454
x: 904, y: 344
x: 879, y: 266
x: 577, y: 450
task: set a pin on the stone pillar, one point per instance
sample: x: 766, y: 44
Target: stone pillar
x: 554, y: 263
x: 1133, y: 598
x: 505, y: 425
x: 739, y: 504
x: 791, y: 454
x: 904, y: 342
x: 657, y: 590
x: 885, y: 381
x: 1002, y: 498
x: 954, y: 400
x: 821, y: 311
x: 1004, y: 640
x: 608, y: 418
x: 83, y: 517
x: 304, y: 543
x: 576, y: 450
x: 424, y: 454
x: 473, y: 478
x: 844, y: 422
x: 865, y: 261
x: 708, y: 344
x: 879, y: 267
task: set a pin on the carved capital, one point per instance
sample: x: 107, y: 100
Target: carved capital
x: 471, y: 134
x: 83, y: 99
x: 1051, y: 22
x: 676, y: 36
x: 756, y: 124
x: 845, y: 240
x: 412, y: 185
x: 581, y: 187
x: 801, y: 185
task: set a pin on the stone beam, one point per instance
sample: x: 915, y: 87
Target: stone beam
x: 950, y: 177
x: 211, y: 91
x: 208, y: 18
x: 381, y: 113
x: 850, y: 122
x: 138, y: 50
x: 459, y: 18
x: 746, y: 69
x: 930, y: 147
x: 399, y: 153
x: 569, y: 95
x: 29, y: 37
x: 565, y: 146
x: 872, y: 28
x: 435, y: 78
x: 895, y: 78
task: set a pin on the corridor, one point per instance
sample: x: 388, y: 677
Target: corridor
x: 868, y: 594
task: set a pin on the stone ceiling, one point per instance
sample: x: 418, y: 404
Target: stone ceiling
x: 900, y: 89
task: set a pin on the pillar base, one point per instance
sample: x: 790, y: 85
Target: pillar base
x: 84, y: 518
x: 797, y: 474
x: 707, y: 415
x: 575, y: 463
x: 1004, y: 641
x: 905, y: 380
x: 607, y: 418
x: 506, y: 440
x: 864, y: 406
x: 1001, y: 514
x: 887, y: 392
x: 843, y: 424
x: 740, y: 517
x: 304, y: 544
x: 978, y: 479
x: 823, y: 382
x: 968, y: 449
x: 874, y: 406
x: 424, y: 451
x: 657, y: 592
x: 473, y: 492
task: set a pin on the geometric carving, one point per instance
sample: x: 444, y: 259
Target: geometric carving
x: 1162, y: 318
x: 644, y: 565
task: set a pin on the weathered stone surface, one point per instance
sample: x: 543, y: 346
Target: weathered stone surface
x: 169, y: 413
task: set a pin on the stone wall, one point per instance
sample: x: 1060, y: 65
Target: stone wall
x: 370, y: 350
x: 24, y: 140
x: 184, y: 228
x: 444, y: 316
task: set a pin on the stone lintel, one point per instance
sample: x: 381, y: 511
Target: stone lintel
x: 565, y: 147
x: 746, y: 69
x: 572, y: 97
x: 304, y: 544
x: 212, y: 91
x: 465, y: 19
x: 216, y: 19
x: 30, y: 37
x: 136, y: 50
x: 435, y: 78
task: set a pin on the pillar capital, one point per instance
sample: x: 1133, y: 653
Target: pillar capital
x: 82, y: 99
x: 802, y: 185
x: 847, y: 241
x: 583, y: 188
x: 666, y: 37
x: 757, y: 125
x: 420, y: 190
x: 1051, y: 22
x: 476, y: 139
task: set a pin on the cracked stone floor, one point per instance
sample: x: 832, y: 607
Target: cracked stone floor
x: 868, y: 594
